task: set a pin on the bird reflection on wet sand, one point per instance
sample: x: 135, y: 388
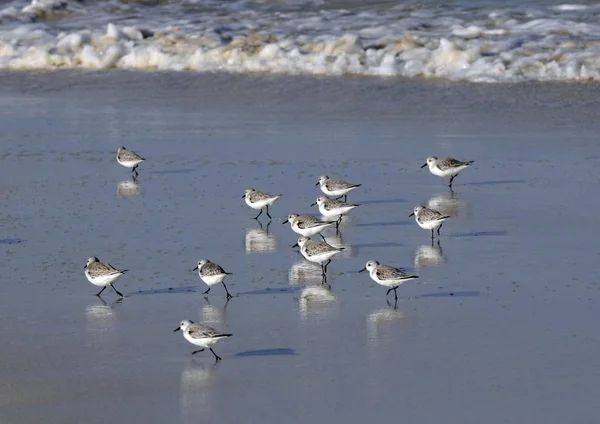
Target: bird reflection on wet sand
x: 429, y: 255
x: 305, y: 273
x: 260, y: 240
x: 382, y: 318
x: 315, y: 300
x: 447, y: 204
x: 129, y: 188
x: 214, y: 315
x: 196, y: 391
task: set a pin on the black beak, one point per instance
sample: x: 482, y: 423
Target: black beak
x: 195, y: 269
x: 286, y: 221
x: 243, y: 196
x: 318, y: 182
x: 296, y: 245
x: 312, y: 204
x: 412, y: 214
x: 363, y: 270
x: 424, y: 165
x: 177, y: 329
x: 85, y: 266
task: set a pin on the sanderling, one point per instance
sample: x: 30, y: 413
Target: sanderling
x: 307, y: 225
x: 429, y: 219
x: 317, y: 251
x: 332, y: 207
x: 102, y: 275
x: 129, y: 159
x: 260, y: 199
x: 201, y: 335
x: 212, y: 274
x: 446, y: 167
x: 387, y: 276
x: 337, y: 188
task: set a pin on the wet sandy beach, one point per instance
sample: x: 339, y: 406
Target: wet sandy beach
x: 500, y: 328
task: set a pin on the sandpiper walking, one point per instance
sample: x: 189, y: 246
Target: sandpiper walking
x: 318, y: 252
x: 336, y: 188
x: 212, y: 274
x: 102, y: 274
x: 201, y: 335
x: 307, y: 225
x: 259, y: 200
x: 129, y: 159
x: 387, y: 276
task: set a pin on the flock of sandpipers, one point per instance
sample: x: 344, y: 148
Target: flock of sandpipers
x: 103, y: 274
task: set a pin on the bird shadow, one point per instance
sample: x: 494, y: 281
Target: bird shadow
x: 169, y: 290
x: 174, y: 171
x: 480, y: 234
x: 11, y: 241
x: 267, y: 352
x: 382, y: 201
x: 471, y: 293
x: 382, y: 244
x: 271, y: 291
x: 495, y: 182
x: 384, y: 224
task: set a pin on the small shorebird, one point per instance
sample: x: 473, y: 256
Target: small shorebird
x: 446, y: 167
x: 330, y: 208
x: 429, y: 219
x: 129, y: 159
x: 102, y: 275
x: 318, y: 252
x: 212, y: 274
x: 307, y: 225
x: 336, y: 188
x: 201, y: 335
x: 259, y: 200
x: 387, y: 276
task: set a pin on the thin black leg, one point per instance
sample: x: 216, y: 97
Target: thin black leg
x: 395, y: 294
x: 451, y: 179
x: 388, y: 292
x: 328, y: 262
x: 227, y: 291
x: 100, y: 292
x: 256, y: 217
x: 431, y: 234
x: 217, y: 357
x: 439, y: 228
x: 197, y: 351
x: 345, y: 198
x: 207, y: 290
x: 117, y: 291
x: 338, y: 222
x: 322, y: 237
x: 268, y: 212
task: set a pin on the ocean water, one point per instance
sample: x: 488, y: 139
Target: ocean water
x: 485, y: 41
